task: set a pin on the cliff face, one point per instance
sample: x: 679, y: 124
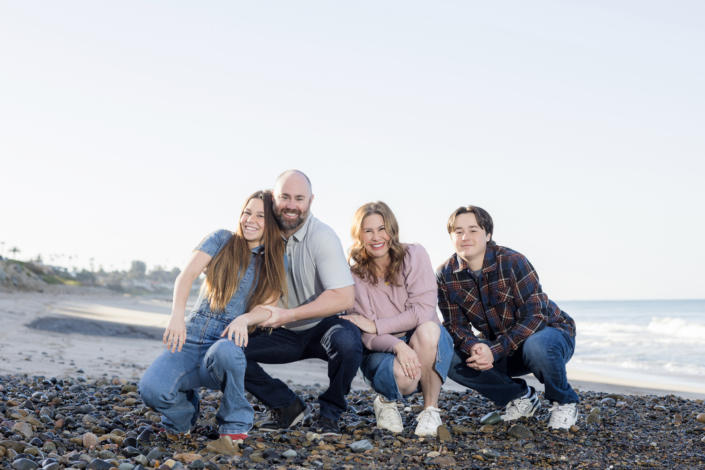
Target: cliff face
x: 18, y: 276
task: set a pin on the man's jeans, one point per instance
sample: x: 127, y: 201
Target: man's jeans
x: 206, y: 360
x: 333, y: 339
x: 544, y: 354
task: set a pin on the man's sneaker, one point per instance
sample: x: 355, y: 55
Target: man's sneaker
x: 236, y: 437
x: 563, y: 416
x: 429, y: 420
x: 284, y: 418
x: 522, y: 407
x: 327, y: 427
x: 387, y: 415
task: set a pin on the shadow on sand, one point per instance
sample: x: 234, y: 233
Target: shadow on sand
x: 96, y: 328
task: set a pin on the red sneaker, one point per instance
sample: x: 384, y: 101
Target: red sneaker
x: 236, y: 437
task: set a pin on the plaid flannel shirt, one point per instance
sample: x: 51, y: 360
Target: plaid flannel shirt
x: 514, y: 304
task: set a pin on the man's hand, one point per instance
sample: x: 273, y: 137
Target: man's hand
x: 280, y: 316
x: 408, y: 360
x: 175, y: 334
x: 366, y: 325
x: 481, y: 357
x: 237, y: 331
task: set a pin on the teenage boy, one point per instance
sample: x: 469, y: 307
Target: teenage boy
x: 497, y: 291
x: 319, y: 287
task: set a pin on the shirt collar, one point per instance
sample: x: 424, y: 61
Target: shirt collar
x: 488, y: 264
x: 257, y: 249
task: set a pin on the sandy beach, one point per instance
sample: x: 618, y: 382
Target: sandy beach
x: 68, y: 331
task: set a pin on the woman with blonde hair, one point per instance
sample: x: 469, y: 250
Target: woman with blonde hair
x: 406, y: 348
x: 245, y: 270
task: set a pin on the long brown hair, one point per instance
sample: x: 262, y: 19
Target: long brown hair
x: 229, y: 265
x: 363, y: 266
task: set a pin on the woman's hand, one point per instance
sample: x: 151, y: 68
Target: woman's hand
x: 408, y: 360
x: 365, y: 324
x: 237, y: 331
x: 175, y: 334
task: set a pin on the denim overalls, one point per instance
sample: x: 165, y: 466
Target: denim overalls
x: 206, y: 360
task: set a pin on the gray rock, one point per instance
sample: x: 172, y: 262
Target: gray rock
x: 130, y: 452
x: 489, y: 453
x: 491, y: 418
x: 289, y: 454
x: 99, y: 464
x: 596, y: 410
x: 520, y: 432
x: 608, y: 401
x: 154, y: 454
x: 52, y: 466
x: 361, y: 446
x: 106, y: 455
x: 659, y: 408
x: 593, y: 418
x: 126, y: 466
x: 141, y: 459
x: 24, y: 464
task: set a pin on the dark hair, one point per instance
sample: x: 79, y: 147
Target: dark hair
x: 484, y: 220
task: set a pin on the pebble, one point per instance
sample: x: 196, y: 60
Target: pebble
x: 520, y: 432
x: 24, y: 464
x: 487, y: 429
x: 222, y: 446
x: 361, y: 446
x: 126, y: 466
x: 593, y: 418
x: 90, y: 440
x: 608, y: 401
x: 491, y: 418
x: 99, y: 464
x: 289, y: 454
x: 700, y: 418
x: 443, y: 434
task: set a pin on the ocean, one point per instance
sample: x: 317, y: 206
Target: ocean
x: 658, y: 340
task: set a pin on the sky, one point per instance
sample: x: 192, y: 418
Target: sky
x: 130, y: 130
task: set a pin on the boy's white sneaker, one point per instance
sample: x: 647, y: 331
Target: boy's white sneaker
x: 387, y: 415
x: 563, y: 416
x: 522, y: 407
x: 429, y: 420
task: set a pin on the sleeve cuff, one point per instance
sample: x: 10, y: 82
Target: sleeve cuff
x: 497, y: 350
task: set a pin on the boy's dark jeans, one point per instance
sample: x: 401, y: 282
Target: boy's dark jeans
x: 333, y: 339
x: 543, y: 354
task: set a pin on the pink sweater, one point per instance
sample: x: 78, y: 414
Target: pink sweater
x: 398, y: 310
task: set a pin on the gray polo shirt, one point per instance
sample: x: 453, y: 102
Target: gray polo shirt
x: 316, y: 263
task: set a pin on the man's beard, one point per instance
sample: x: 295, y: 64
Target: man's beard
x: 289, y: 224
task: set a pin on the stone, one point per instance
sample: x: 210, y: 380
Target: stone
x: 126, y: 466
x: 24, y: 464
x: 141, y: 459
x: 90, y: 440
x: 359, y: 447
x: 222, y: 446
x: 659, y: 408
x: 487, y: 429
x: 99, y: 464
x: 443, y: 434
x: 700, y: 418
x: 24, y: 429
x: 186, y: 458
x: 445, y: 461
x: 595, y: 410
x: 520, y: 432
x: 593, y: 418
x: 52, y: 466
x: 289, y: 454
x: 154, y: 454
x: 574, y: 429
x: 615, y: 396
x: 457, y: 429
x: 489, y: 453
x: 130, y: 452
x: 14, y: 445
x: 491, y: 418
x: 608, y: 401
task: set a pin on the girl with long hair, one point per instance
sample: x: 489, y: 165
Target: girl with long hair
x: 406, y: 348
x: 245, y: 270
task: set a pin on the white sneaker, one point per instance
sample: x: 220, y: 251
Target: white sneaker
x: 387, y: 415
x: 522, y: 407
x: 429, y: 420
x: 563, y: 416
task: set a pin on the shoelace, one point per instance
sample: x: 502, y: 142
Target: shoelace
x: 390, y: 415
x: 425, y: 418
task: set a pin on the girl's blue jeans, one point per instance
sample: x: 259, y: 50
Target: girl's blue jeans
x: 206, y: 360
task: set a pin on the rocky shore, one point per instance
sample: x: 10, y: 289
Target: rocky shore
x: 101, y: 423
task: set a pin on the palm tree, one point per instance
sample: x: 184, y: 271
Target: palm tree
x: 14, y: 251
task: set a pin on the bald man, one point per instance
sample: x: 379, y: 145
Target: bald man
x: 320, y: 287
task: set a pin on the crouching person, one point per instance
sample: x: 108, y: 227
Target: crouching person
x: 497, y: 291
x: 245, y: 270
